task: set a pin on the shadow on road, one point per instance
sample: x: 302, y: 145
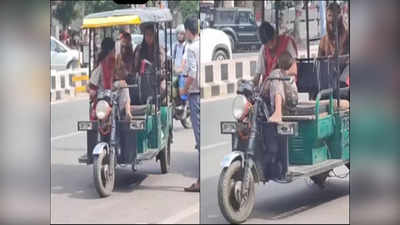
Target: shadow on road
x: 275, y: 201
x: 77, y: 180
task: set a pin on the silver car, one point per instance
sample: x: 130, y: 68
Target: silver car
x: 63, y: 57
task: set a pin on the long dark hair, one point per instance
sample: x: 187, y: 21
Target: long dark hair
x: 144, y: 46
x: 107, y: 45
x: 335, y: 9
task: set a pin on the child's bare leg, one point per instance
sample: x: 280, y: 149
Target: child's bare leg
x: 128, y: 106
x: 277, y: 115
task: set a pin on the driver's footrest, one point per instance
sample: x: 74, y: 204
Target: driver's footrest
x: 83, y: 159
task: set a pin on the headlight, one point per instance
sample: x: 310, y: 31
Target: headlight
x: 239, y: 106
x: 102, y: 109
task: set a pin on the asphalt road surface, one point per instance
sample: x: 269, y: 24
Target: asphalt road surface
x: 298, y: 202
x: 144, y: 197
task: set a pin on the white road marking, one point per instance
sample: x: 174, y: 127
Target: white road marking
x: 182, y: 215
x: 214, y: 145
x: 66, y: 135
x: 290, y: 213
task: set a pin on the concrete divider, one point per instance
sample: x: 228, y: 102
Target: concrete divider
x: 67, y: 83
x: 219, y: 78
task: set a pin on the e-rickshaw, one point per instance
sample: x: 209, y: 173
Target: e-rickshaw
x: 112, y: 140
x: 313, y: 138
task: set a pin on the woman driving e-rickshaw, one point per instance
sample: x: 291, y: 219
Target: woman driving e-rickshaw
x: 130, y: 110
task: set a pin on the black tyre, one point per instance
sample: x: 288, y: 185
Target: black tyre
x: 186, y: 122
x: 227, y: 201
x: 233, y: 47
x: 320, y: 179
x: 104, y: 179
x: 74, y: 64
x: 165, y: 158
x: 220, y: 55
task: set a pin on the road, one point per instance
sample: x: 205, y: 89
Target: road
x: 297, y: 202
x: 144, y: 197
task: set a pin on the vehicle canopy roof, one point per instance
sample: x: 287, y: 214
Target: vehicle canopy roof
x: 121, y: 17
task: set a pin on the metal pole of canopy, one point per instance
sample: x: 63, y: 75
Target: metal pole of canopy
x: 263, y: 11
x: 307, y: 29
x: 158, y: 65
x: 277, y: 16
x: 166, y: 61
x: 90, y: 52
x: 336, y: 57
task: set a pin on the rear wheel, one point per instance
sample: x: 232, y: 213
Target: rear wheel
x: 165, y: 158
x: 186, y: 122
x: 220, y: 55
x: 104, y: 174
x: 234, y: 207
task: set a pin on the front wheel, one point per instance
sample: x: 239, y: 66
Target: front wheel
x: 320, y: 179
x: 186, y: 122
x: 234, y: 207
x: 104, y: 174
x: 165, y: 158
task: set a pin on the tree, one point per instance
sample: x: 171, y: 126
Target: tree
x: 65, y: 12
x: 102, y: 5
x: 189, y: 8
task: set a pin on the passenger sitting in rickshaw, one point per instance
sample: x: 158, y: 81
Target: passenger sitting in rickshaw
x: 145, y: 50
x: 124, y: 66
x: 281, y: 95
x: 327, y: 45
x: 104, y: 77
x: 273, y: 47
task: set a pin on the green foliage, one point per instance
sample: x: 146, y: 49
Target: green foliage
x: 102, y: 5
x: 65, y: 12
x: 189, y: 8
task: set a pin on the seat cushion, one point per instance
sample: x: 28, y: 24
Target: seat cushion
x: 308, y: 107
x: 138, y: 110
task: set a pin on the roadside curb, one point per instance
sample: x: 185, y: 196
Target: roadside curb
x: 219, y: 78
x: 67, y: 83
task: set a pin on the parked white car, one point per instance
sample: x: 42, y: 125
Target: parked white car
x: 63, y: 57
x: 214, y: 45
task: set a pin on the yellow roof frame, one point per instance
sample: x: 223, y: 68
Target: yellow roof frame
x: 111, y: 21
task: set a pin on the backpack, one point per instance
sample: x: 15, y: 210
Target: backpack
x: 291, y: 93
x: 289, y: 88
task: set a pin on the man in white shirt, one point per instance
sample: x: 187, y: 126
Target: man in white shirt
x: 192, y: 88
